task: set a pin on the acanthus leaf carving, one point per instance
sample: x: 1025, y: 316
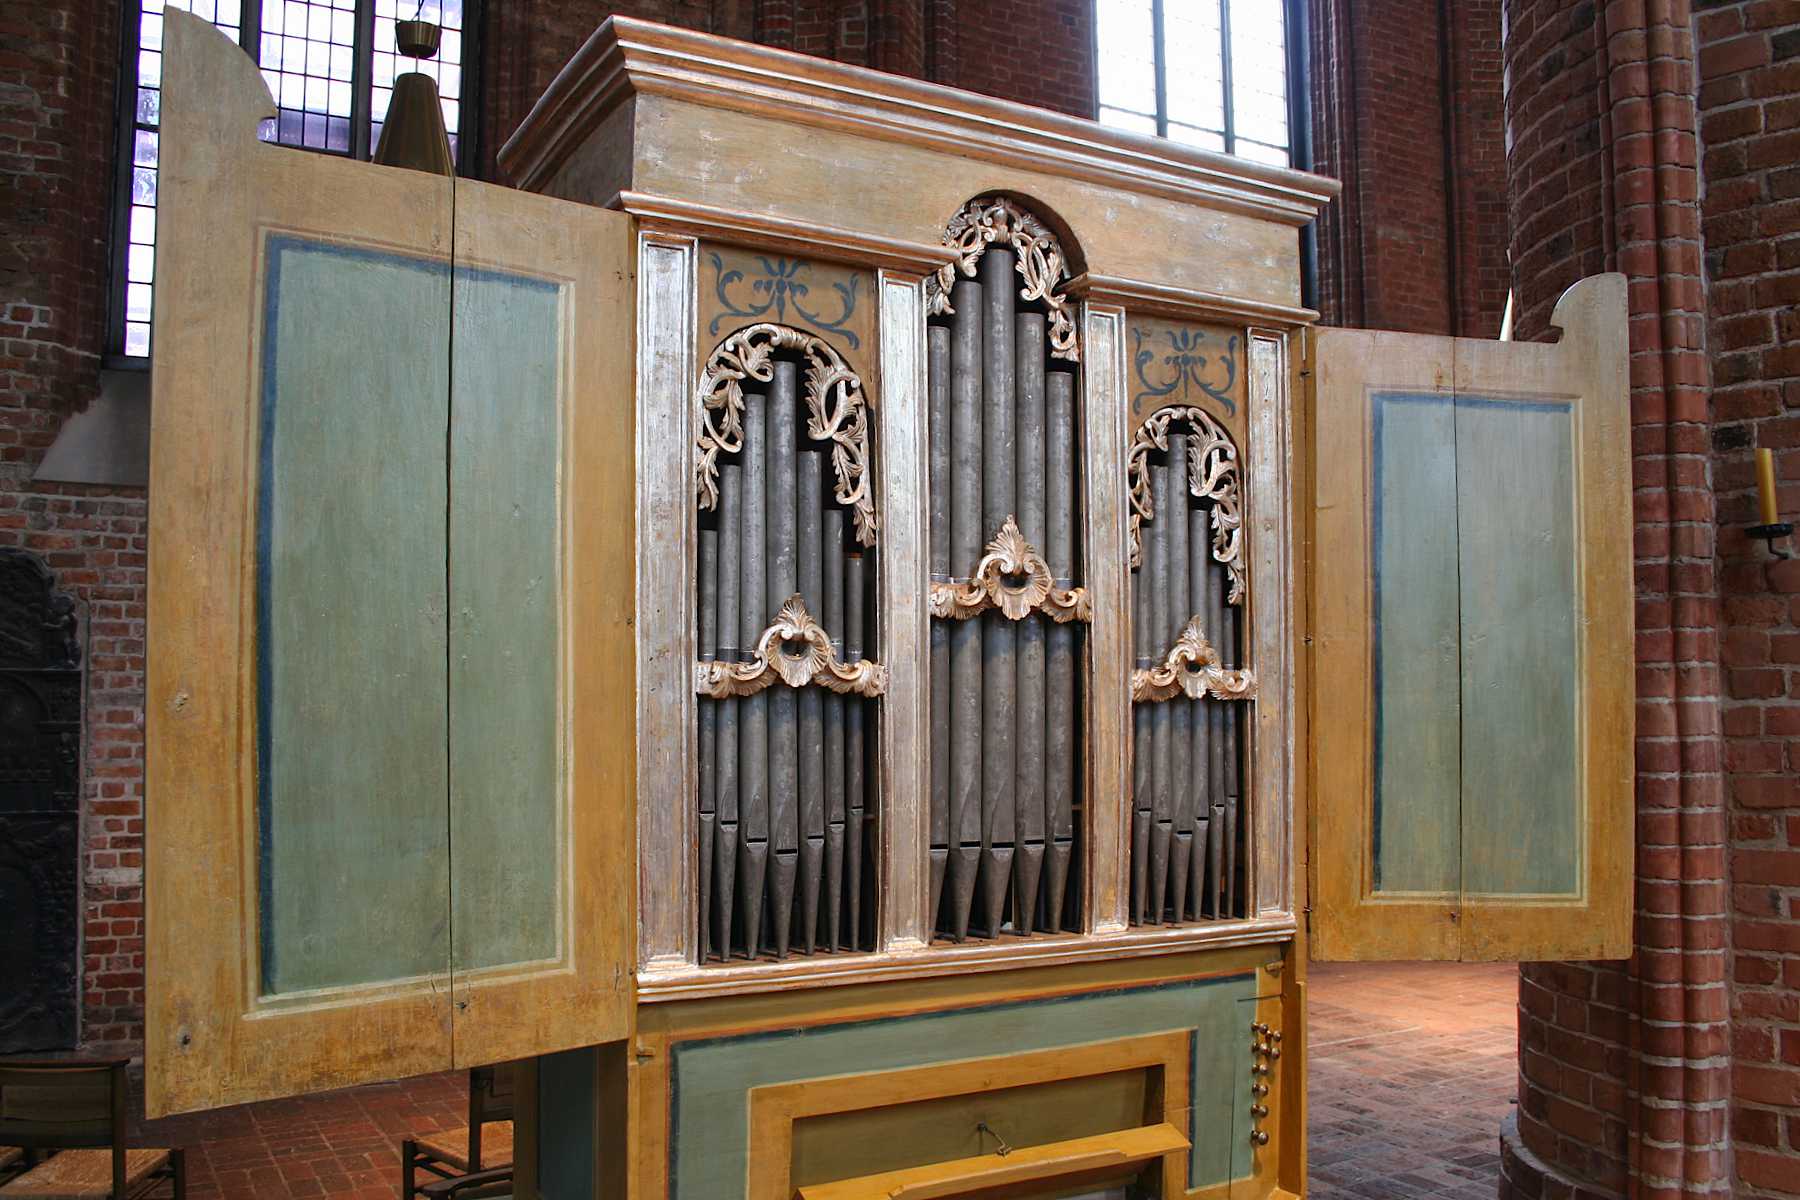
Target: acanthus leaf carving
x: 1014, y: 578
x: 794, y: 650
x: 1213, y: 474
x: 1041, y: 264
x: 1192, y: 668
x: 837, y: 412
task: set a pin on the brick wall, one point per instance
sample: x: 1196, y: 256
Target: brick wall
x: 1662, y: 142
x: 57, y: 75
x: 1411, y: 120
x: 1749, y: 76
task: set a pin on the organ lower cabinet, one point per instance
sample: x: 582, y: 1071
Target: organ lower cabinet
x: 859, y: 630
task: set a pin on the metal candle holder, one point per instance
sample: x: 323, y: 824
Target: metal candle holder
x: 1770, y: 534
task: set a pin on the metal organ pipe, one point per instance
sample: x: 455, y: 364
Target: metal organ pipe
x: 1029, y: 733
x: 723, y: 868
x: 999, y: 636
x: 966, y: 540
x: 753, y: 716
x: 1062, y: 727
x: 939, y: 565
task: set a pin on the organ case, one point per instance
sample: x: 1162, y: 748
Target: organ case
x: 892, y: 775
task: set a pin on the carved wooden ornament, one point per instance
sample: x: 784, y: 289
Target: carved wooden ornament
x: 1014, y: 578
x: 837, y: 412
x: 1041, y: 263
x: 812, y: 662
x: 1212, y: 475
x: 1192, y: 668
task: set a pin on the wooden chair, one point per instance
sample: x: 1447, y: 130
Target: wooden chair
x: 482, y: 1148
x: 74, y: 1110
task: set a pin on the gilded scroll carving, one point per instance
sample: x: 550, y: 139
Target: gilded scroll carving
x: 1193, y: 667
x: 795, y: 650
x: 1212, y: 475
x: 1041, y: 264
x: 837, y: 412
x: 1014, y: 578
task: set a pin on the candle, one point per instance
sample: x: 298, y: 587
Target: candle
x: 1765, y: 486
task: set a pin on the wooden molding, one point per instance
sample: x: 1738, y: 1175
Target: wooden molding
x: 671, y: 979
x: 763, y: 231
x: 626, y: 57
x: 1140, y: 296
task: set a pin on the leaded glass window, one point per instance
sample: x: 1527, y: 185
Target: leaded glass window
x: 1208, y: 73
x: 330, y: 65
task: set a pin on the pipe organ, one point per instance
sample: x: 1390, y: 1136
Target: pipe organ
x: 855, y: 630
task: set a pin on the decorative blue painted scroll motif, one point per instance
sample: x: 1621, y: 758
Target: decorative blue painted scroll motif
x: 1181, y: 367
x: 777, y: 285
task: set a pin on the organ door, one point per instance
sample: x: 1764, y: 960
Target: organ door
x: 385, y: 603
x: 1472, y: 642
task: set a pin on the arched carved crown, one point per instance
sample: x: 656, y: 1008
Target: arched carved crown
x: 837, y: 411
x: 1212, y: 475
x: 1041, y: 263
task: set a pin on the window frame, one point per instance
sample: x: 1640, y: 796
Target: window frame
x: 1294, y: 26
x: 249, y: 39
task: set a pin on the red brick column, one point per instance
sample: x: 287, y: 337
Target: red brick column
x: 1749, y: 58
x: 1623, y: 1073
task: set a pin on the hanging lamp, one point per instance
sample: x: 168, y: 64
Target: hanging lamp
x: 413, y: 133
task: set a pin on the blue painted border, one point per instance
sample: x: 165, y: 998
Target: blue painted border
x: 766, y: 1035
x: 1377, y: 404
x: 276, y: 247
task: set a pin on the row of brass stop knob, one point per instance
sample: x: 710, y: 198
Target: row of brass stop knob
x: 1265, y: 1048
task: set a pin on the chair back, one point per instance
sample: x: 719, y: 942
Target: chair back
x: 490, y: 1099
x: 65, y: 1104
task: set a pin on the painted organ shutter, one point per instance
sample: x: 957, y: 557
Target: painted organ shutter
x: 381, y: 619
x: 1472, y: 675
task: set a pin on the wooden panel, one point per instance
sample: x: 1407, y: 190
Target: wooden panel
x: 1107, y: 696
x: 1351, y: 368
x: 1415, y: 657
x: 1271, y: 546
x: 1188, y: 362
x: 350, y: 639
x: 210, y: 1038
x: 544, y: 776
x: 1588, y: 371
x: 739, y: 287
x: 667, y: 373
x: 1095, y: 1159
x: 506, y: 783
x: 712, y: 1079
x: 903, y: 627
x: 1520, y: 729
x: 1472, y: 702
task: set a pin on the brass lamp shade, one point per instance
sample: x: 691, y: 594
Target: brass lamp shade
x: 413, y: 134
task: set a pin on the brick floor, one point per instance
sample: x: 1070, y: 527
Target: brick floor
x: 343, y: 1144
x: 1411, y: 1068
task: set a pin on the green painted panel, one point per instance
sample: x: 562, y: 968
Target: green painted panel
x: 568, y: 1116
x: 1520, y: 650
x: 350, y: 618
x: 506, y: 791
x: 710, y: 1079
x: 1417, y: 680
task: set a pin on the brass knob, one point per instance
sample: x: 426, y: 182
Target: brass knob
x: 1274, y: 1053
x: 1259, y: 1089
x: 1259, y: 1111
x: 1259, y: 1137
x: 1259, y: 1069
x: 1276, y: 1035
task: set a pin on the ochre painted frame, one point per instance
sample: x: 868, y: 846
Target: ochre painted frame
x: 775, y: 1108
x: 209, y: 1040
x: 1588, y: 366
